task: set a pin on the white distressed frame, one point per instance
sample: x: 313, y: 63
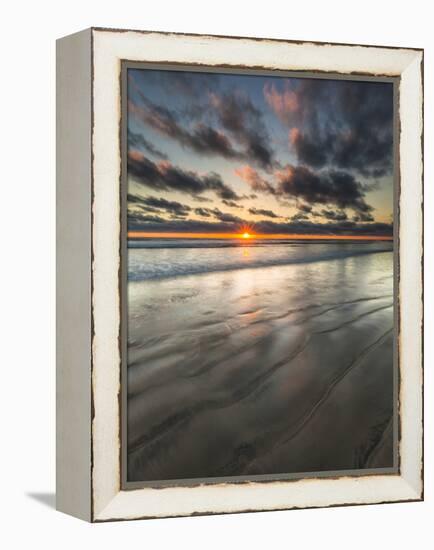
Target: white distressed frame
x: 108, y: 49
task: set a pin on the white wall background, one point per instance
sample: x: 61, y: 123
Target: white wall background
x: 27, y: 109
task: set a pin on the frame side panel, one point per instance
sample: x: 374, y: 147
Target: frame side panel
x: 411, y: 274
x: 73, y: 275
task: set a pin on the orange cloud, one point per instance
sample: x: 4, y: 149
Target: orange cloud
x: 135, y: 155
x: 286, y: 173
x: 294, y: 134
x: 284, y: 104
x: 254, y: 180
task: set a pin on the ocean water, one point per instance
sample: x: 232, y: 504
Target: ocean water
x: 162, y: 258
x: 259, y: 358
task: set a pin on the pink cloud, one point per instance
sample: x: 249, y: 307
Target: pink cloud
x: 250, y: 176
x: 284, y: 104
x: 285, y: 174
x: 294, y: 134
x: 135, y: 155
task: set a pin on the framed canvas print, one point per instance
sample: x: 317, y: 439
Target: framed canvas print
x: 239, y: 267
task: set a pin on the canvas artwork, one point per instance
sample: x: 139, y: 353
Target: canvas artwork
x: 260, y: 264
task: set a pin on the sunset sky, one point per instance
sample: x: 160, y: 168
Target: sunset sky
x: 225, y: 154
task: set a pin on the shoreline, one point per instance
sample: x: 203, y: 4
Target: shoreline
x: 224, y: 367
x: 147, y: 264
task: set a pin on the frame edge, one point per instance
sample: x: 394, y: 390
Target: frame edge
x: 73, y: 275
x: 114, y: 509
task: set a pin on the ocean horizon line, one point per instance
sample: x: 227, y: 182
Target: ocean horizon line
x: 244, y: 236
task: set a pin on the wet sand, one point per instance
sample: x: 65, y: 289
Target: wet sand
x: 272, y: 370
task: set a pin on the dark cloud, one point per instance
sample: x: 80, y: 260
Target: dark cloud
x: 232, y: 204
x: 363, y: 217
x: 307, y: 208
x: 140, y: 221
x: 262, y: 212
x: 313, y: 187
x: 137, y: 141
x: 198, y: 198
x: 225, y: 217
x: 234, y: 113
x: 325, y: 187
x: 331, y: 228
x: 237, y: 114
x: 345, y: 125
x: 205, y: 212
x: 299, y: 217
x: 201, y: 138
x: 206, y: 139
x: 134, y: 199
x: 336, y: 216
x: 135, y: 202
x: 307, y: 149
x: 218, y: 214
x: 166, y: 176
x: 171, y: 207
x: 366, y: 145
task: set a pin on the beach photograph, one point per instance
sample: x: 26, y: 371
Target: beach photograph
x: 260, y: 312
